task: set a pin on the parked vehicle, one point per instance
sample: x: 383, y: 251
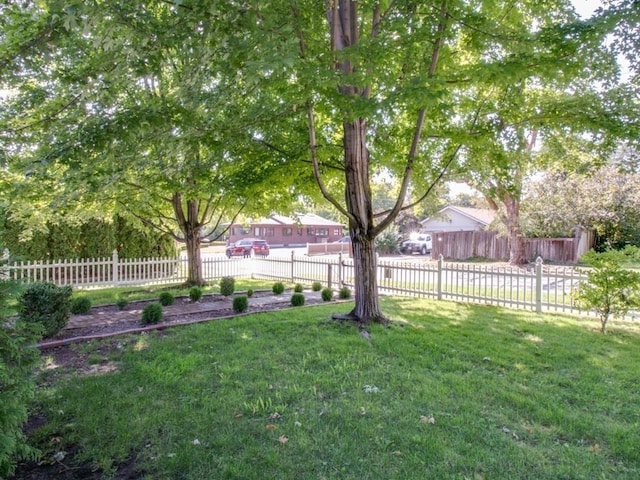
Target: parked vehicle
x: 346, y: 239
x: 248, y: 247
x: 420, y: 243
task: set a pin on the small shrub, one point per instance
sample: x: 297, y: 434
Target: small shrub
x: 18, y: 360
x: 297, y: 299
x: 387, y: 242
x: 316, y: 286
x: 166, y: 299
x: 152, y: 313
x: 240, y: 303
x: 250, y: 293
x: 195, y: 294
x: 298, y: 288
x: 80, y: 305
x: 122, y: 303
x: 46, y: 304
x: 327, y: 294
x: 278, y: 288
x: 227, y: 286
x: 344, y: 293
x: 610, y: 289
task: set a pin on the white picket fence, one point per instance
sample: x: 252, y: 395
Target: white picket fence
x: 540, y: 288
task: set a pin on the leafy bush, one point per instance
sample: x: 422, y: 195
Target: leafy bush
x: 278, y: 288
x: 240, y: 303
x: 122, y: 303
x: 227, y: 286
x: 46, y: 304
x: 250, y: 293
x: 316, y: 286
x: 297, y: 299
x: 195, y: 294
x: 327, y: 294
x: 152, y: 313
x: 166, y: 299
x: 387, y: 242
x: 298, y: 288
x: 344, y: 293
x: 18, y: 358
x: 610, y: 290
x: 93, y: 239
x: 81, y: 305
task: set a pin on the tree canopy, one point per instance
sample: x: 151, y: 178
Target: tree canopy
x: 189, y: 104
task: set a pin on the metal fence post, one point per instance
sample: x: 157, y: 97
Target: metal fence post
x: 114, y: 268
x: 340, y: 270
x: 539, y: 285
x: 440, y: 265
x: 329, y: 274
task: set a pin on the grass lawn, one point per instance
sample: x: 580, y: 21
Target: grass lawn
x: 449, y: 391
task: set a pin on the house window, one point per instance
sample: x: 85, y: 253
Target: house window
x: 269, y: 232
x: 311, y: 231
x: 322, y: 232
x: 337, y: 232
x: 299, y: 231
x: 256, y: 231
x: 287, y: 231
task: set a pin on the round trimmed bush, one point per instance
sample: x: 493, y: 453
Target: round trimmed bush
x: 297, y: 299
x: 240, y: 303
x: 327, y: 294
x: 152, y: 313
x: 250, y: 293
x: 166, y: 299
x: 298, y: 288
x: 278, y: 288
x: 80, y: 305
x: 316, y: 286
x: 122, y: 303
x: 46, y: 304
x: 195, y: 294
x: 227, y: 286
x: 345, y: 293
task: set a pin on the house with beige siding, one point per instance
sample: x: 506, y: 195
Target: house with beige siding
x: 296, y: 231
x: 458, y: 219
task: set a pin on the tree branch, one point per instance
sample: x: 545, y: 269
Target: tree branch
x: 413, y: 152
x: 316, y: 169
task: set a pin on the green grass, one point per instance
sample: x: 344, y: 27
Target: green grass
x: 449, y: 391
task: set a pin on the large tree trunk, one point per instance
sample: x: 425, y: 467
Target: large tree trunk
x: 190, y: 227
x: 358, y: 199
x: 367, y: 306
x: 194, y: 260
x: 516, y: 240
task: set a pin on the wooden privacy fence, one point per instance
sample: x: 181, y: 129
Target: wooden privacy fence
x: 537, y: 287
x: 484, y: 244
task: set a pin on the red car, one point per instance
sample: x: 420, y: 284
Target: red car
x: 247, y: 247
